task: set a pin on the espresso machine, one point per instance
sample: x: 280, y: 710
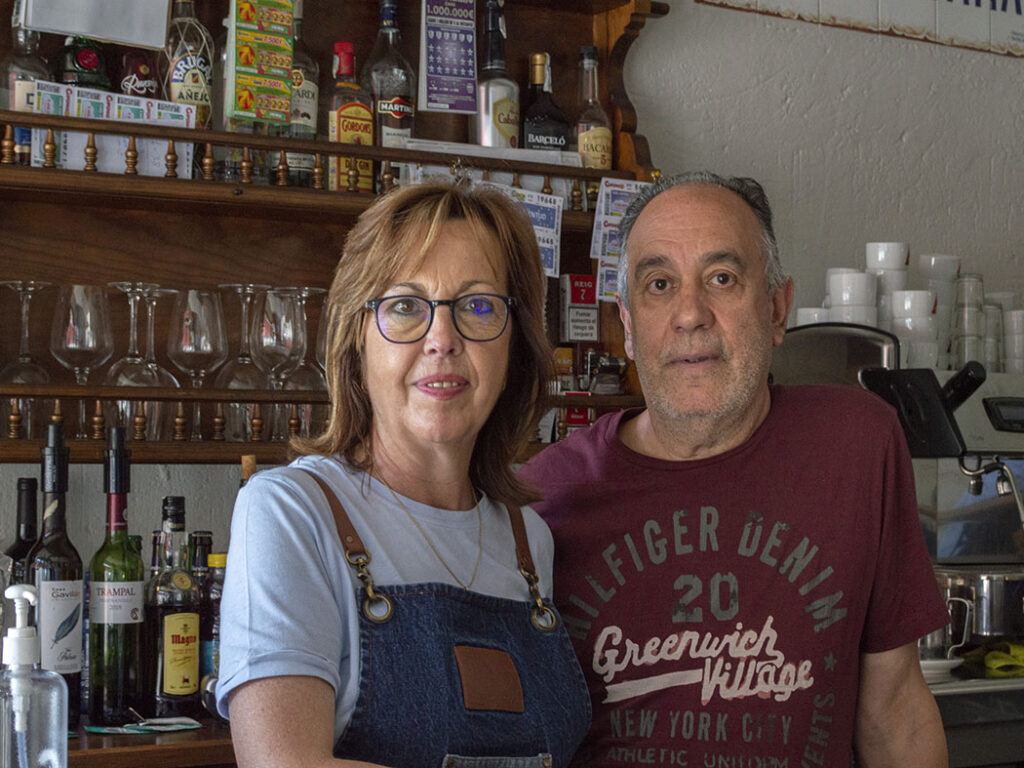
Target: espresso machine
x: 965, y: 431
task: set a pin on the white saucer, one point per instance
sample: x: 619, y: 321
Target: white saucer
x: 939, y: 670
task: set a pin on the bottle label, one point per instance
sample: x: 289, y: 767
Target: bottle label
x: 505, y: 117
x: 394, y: 121
x: 22, y: 99
x: 181, y: 654
x: 545, y: 140
x: 116, y: 602
x: 87, y: 58
x: 59, y: 617
x: 595, y: 147
x: 190, y: 84
x: 304, y: 101
x: 351, y: 123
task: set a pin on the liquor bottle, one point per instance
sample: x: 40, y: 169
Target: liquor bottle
x: 55, y: 569
x: 27, y: 529
x: 227, y: 161
x: 186, y: 76
x: 82, y: 63
x: 22, y: 67
x: 497, y: 118
x: 391, y: 82
x: 137, y: 76
x: 545, y: 125
x: 304, y: 105
x: 593, y: 128
x: 170, y: 638
x: 156, y: 545
x: 200, y: 544
x: 209, y: 630
x: 349, y: 120
x: 116, y: 590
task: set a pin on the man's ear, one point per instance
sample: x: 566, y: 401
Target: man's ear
x: 627, y: 324
x: 782, y: 303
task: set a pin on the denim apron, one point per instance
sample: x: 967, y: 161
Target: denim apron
x: 450, y: 678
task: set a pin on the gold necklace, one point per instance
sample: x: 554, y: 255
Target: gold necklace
x: 479, y: 538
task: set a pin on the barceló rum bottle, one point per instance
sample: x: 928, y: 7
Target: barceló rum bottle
x: 545, y: 125
x: 170, y: 646
x: 116, y: 588
x: 55, y: 569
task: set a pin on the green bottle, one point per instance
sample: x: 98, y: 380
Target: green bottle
x: 116, y: 598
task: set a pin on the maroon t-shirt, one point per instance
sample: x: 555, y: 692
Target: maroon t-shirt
x: 719, y: 607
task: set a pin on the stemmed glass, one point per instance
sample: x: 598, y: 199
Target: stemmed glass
x: 196, y: 341
x: 160, y: 421
x: 321, y: 337
x: 131, y: 370
x: 24, y: 370
x: 278, y: 339
x: 242, y: 371
x: 307, y: 376
x: 80, y: 337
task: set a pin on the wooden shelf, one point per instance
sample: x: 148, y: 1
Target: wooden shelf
x: 209, y: 745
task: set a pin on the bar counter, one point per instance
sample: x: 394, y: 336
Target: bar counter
x: 206, y: 746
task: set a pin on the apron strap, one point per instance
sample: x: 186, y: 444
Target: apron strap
x: 541, y: 615
x: 376, y: 607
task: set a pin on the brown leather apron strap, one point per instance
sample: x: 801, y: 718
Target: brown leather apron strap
x: 350, y: 540
x: 523, y: 557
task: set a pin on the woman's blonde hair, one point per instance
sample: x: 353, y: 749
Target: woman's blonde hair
x: 394, y: 235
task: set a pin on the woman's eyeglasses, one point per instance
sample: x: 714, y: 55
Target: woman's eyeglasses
x: 476, y: 316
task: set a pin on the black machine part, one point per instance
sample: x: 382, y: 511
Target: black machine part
x: 924, y: 408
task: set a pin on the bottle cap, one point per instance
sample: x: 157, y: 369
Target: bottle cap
x: 28, y: 485
x: 174, y: 508
x: 116, y: 467
x: 588, y: 52
x: 344, y: 58
x: 217, y: 559
x: 21, y: 646
x: 55, y: 461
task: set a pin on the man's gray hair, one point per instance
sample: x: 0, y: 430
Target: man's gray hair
x: 748, y: 189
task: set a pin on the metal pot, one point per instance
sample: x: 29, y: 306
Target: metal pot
x: 997, y: 596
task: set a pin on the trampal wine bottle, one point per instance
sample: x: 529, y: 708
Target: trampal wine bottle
x: 117, y: 581
x: 55, y: 569
x: 170, y: 640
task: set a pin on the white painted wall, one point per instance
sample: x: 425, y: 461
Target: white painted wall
x: 856, y: 137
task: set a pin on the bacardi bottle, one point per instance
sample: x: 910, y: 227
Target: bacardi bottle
x: 349, y: 119
x: 497, y: 118
x: 22, y: 67
x: 117, y: 580
x: 390, y: 81
x: 545, y: 125
x: 304, y: 104
x: 170, y: 638
x: 187, y: 61
x: 593, y: 128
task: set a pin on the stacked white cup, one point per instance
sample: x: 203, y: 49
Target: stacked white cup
x: 969, y: 320
x: 852, y: 296
x: 1013, y: 334
x: 914, y: 323
x: 888, y: 263
x: 941, y: 270
x: 993, y: 337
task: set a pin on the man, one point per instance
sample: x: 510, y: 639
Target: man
x: 740, y: 566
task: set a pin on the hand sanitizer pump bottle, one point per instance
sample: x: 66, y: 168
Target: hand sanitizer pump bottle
x: 33, y: 701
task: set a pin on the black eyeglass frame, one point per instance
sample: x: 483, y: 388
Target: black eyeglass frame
x: 374, y: 305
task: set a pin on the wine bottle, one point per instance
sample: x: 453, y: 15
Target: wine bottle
x: 116, y: 590
x: 170, y: 638
x: 545, y: 125
x: 27, y: 529
x: 349, y: 120
x: 593, y: 128
x: 55, y: 569
x: 497, y: 117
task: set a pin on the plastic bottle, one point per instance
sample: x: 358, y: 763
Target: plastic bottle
x: 33, y: 701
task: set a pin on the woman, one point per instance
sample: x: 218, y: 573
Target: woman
x: 423, y: 637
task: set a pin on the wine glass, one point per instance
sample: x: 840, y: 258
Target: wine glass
x: 278, y: 339
x: 307, y: 376
x: 131, y: 370
x: 160, y: 422
x: 24, y: 370
x: 80, y: 337
x: 242, y: 371
x: 321, y: 337
x: 196, y: 341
